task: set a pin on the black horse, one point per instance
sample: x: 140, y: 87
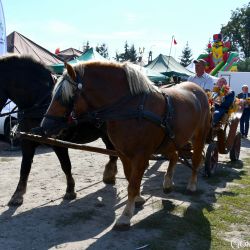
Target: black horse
x: 29, y: 84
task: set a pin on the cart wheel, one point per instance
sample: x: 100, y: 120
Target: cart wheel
x: 235, y: 151
x: 211, y: 159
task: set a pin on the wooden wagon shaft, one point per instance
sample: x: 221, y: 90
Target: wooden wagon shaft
x: 65, y: 144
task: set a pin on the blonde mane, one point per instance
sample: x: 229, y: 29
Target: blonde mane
x: 137, y: 80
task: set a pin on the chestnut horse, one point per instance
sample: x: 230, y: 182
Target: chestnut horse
x: 140, y: 119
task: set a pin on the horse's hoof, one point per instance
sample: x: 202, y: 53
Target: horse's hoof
x: 69, y: 196
x: 109, y: 181
x: 121, y: 227
x: 191, y: 189
x: 139, y: 204
x: 15, y: 202
x: 139, y: 201
x: 167, y: 190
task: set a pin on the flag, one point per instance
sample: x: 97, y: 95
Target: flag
x: 3, y: 47
x: 57, y: 51
x: 175, y: 42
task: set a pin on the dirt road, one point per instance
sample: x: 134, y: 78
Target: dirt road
x: 46, y: 221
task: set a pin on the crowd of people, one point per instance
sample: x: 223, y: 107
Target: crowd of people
x: 223, y: 96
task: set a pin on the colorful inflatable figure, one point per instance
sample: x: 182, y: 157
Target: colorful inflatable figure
x: 219, y: 57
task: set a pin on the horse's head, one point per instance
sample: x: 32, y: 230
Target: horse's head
x: 65, y: 93
x: 92, y: 87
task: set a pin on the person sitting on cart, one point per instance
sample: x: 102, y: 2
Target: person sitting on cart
x: 223, y: 100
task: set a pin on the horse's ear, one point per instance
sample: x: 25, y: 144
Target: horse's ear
x: 70, y: 71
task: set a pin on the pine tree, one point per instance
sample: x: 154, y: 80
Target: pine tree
x: 86, y: 46
x: 125, y: 55
x: 102, y: 50
x: 128, y: 55
x: 132, y: 54
x: 186, y: 57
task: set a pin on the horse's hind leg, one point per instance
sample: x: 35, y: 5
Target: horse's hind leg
x: 28, y: 151
x: 168, y: 177
x: 111, y: 167
x: 133, y: 170
x: 63, y: 156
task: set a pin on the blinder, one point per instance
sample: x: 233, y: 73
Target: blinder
x: 53, y: 124
x: 77, y: 86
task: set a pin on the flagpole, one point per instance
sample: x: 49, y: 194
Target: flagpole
x: 170, y: 50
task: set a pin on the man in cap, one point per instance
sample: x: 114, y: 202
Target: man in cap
x: 201, y: 78
x: 244, y: 120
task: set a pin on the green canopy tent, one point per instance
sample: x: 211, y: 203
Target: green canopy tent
x: 88, y: 55
x: 155, y: 76
x: 91, y: 54
x: 168, y: 66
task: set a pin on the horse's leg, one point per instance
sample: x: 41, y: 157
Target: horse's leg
x: 168, y: 177
x: 28, y: 151
x: 139, y: 200
x: 133, y: 170
x: 111, y: 167
x: 198, y: 144
x: 63, y: 156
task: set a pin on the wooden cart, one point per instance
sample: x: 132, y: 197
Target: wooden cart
x: 224, y: 139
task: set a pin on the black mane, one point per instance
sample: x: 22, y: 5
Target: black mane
x: 23, y: 62
x: 24, y: 80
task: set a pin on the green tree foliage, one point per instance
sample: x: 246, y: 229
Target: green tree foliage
x: 102, y: 50
x: 237, y: 30
x: 244, y: 66
x: 86, y: 46
x: 129, y: 54
x: 186, y: 57
x: 132, y: 54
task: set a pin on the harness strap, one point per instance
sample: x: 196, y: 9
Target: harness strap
x: 56, y: 118
x: 168, y: 116
x: 13, y: 111
x: 114, y: 112
x: 37, y: 110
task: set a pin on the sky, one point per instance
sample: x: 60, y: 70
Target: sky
x: 146, y: 24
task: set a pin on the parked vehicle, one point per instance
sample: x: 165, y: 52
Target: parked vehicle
x: 7, y: 122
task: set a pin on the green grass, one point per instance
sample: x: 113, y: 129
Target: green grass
x: 204, y: 225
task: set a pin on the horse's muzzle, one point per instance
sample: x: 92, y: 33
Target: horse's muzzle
x: 52, y: 127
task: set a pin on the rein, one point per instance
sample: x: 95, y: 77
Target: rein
x: 28, y: 112
x: 41, y: 106
x: 13, y: 111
